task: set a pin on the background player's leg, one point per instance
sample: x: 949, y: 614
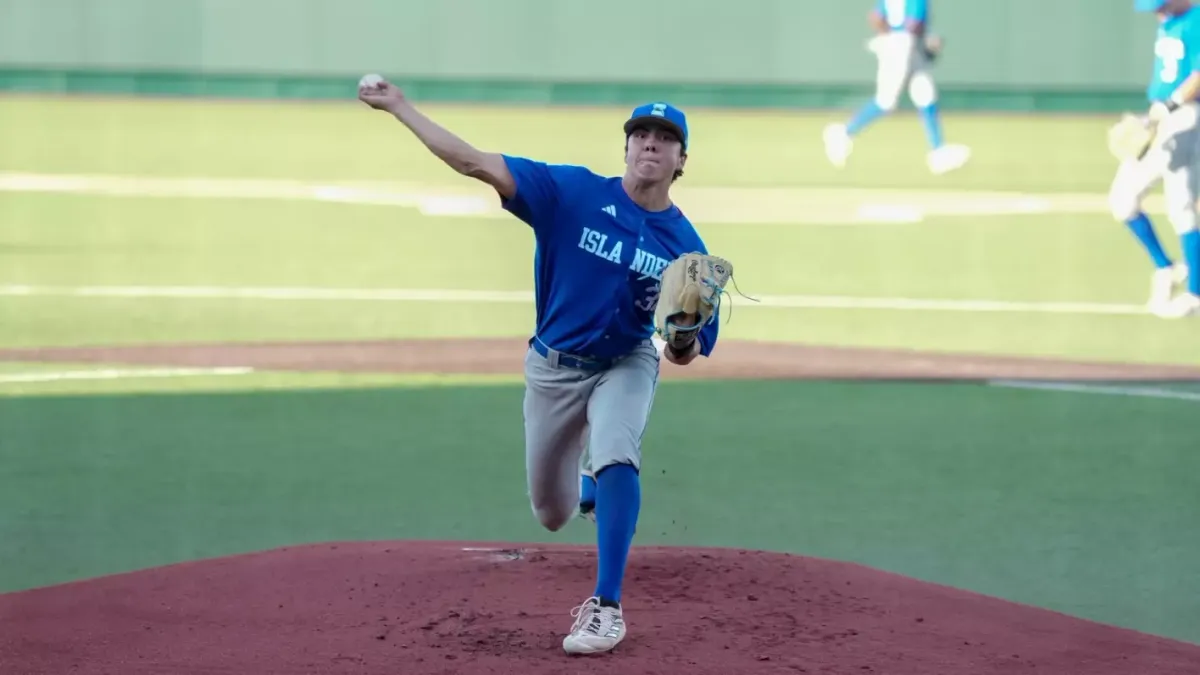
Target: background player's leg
x: 1125, y: 196
x: 923, y: 92
x: 1130, y: 185
x: 1180, y: 188
x: 894, y: 53
x: 555, y: 406
x: 895, y: 59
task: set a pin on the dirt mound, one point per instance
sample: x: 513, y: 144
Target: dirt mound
x: 426, y: 608
x: 735, y: 359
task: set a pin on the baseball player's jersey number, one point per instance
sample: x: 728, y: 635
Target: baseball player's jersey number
x: 1170, y: 50
x: 648, y: 303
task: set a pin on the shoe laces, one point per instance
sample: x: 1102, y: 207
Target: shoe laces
x: 584, y: 613
x: 591, y: 617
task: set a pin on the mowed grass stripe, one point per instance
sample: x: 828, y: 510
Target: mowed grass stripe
x: 715, y: 205
x: 526, y: 297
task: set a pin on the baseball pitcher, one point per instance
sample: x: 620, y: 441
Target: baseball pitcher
x: 616, y: 261
x: 905, y: 52
x: 1164, y: 144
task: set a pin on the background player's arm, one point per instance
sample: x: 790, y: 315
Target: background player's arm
x: 877, y: 22
x: 466, y: 159
x: 1188, y: 90
x: 916, y: 17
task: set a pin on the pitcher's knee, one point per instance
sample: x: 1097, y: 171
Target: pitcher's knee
x: 1123, y: 204
x: 628, y: 464
x: 887, y: 101
x: 922, y: 90
x: 553, y: 517
x: 629, y: 456
x: 1183, y: 219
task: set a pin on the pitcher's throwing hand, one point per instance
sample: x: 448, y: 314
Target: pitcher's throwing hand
x: 379, y: 93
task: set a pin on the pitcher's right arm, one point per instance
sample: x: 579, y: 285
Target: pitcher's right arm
x: 458, y: 154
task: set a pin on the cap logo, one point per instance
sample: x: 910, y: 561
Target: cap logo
x: 659, y: 109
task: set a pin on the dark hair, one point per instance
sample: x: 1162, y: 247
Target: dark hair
x: 682, y: 153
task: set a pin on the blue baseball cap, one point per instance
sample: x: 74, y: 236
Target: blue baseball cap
x: 661, y: 114
x: 1148, y: 5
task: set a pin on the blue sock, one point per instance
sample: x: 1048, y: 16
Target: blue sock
x: 864, y: 117
x: 587, y: 493
x: 933, y: 125
x: 1143, y: 229
x: 618, y: 500
x: 1190, y: 243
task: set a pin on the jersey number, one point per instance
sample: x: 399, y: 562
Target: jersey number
x: 648, y: 303
x: 1169, y: 50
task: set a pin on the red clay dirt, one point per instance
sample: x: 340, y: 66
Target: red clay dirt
x: 421, y: 608
x: 737, y: 359
x: 433, y: 609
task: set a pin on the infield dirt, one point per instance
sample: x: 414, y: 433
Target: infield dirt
x: 737, y: 360
x: 432, y: 608
x: 421, y: 608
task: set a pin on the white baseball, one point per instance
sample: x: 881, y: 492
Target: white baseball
x: 370, y: 81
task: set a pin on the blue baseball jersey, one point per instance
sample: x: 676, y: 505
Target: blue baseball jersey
x: 599, y: 258
x: 897, y: 13
x: 1176, y: 54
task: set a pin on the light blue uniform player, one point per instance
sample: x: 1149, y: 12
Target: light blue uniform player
x: 1173, y: 157
x: 591, y: 369
x: 904, y: 51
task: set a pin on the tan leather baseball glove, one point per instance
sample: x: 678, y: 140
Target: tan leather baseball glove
x: 692, y: 285
x: 1130, y: 137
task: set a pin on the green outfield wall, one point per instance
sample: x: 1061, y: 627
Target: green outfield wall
x: 1008, y: 54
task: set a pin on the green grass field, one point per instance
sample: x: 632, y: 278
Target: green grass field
x: 162, y: 221
x: 761, y: 190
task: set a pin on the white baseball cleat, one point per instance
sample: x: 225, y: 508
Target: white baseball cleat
x: 1187, y: 304
x: 948, y: 158
x: 1163, y: 284
x: 837, y: 144
x: 597, y: 629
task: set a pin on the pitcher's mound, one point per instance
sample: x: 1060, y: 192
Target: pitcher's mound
x: 424, y: 608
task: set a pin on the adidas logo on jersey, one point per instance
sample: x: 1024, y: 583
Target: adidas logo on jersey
x: 610, y: 210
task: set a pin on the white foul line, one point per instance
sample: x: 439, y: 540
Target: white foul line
x: 526, y: 297
x: 938, y: 305
x: 272, y: 293
x: 117, y: 374
x: 1104, y: 390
